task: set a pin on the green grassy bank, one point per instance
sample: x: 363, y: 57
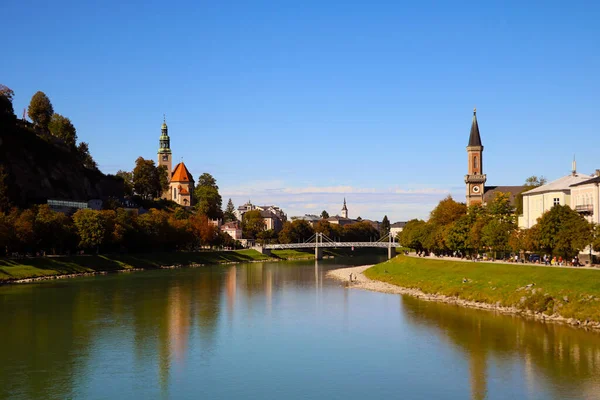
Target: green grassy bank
x: 569, y: 292
x: 308, y: 254
x: 14, y: 269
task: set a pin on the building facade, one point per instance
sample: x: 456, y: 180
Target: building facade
x: 181, y: 182
x: 541, y: 199
x: 585, y: 198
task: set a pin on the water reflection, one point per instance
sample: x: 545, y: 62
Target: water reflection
x: 148, y: 335
x: 561, y: 356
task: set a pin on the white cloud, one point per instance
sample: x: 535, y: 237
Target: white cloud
x: 398, y: 203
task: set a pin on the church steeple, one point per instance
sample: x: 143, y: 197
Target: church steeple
x: 164, y: 147
x: 345, y: 210
x: 475, y: 178
x: 474, y: 138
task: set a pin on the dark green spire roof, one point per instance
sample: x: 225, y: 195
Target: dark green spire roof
x: 474, y: 138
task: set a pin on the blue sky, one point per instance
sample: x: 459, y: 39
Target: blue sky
x: 304, y: 103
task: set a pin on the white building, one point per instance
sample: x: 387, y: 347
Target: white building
x: 541, y: 199
x: 232, y: 229
x: 585, y: 198
x: 396, y: 228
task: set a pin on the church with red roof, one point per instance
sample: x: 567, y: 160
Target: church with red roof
x: 181, y: 182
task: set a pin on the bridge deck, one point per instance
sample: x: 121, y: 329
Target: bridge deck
x: 383, y: 245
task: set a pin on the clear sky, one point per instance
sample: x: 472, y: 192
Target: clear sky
x: 304, y: 103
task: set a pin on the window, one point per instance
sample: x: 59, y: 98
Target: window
x: 556, y: 201
x: 174, y: 193
x: 475, y: 162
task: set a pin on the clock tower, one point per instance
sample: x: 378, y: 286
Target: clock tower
x: 164, y: 149
x: 475, y: 179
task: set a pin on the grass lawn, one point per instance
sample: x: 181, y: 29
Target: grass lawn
x: 44, y: 266
x: 291, y: 254
x: 572, y: 293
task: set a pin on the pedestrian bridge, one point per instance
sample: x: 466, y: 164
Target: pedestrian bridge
x: 319, y: 241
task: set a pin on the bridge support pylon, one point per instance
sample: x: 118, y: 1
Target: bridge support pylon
x: 318, y: 249
x: 391, y: 252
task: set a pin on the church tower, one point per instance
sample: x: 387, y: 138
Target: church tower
x: 164, y: 149
x: 475, y: 179
x: 344, y: 210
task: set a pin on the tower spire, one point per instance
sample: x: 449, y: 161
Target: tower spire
x: 474, y: 137
x: 574, y: 166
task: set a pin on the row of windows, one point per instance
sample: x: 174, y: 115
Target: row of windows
x: 586, y: 199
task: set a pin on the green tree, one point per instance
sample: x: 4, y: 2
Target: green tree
x: 127, y: 181
x: 84, y: 156
x: 208, y: 199
x: 324, y: 214
x: 596, y: 237
x: 384, y: 228
x: 7, y: 112
x: 40, y: 110
x: 496, y: 234
x: 229, y: 214
x: 62, y: 128
x: 295, y: 231
x: 412, y: 236
x: 91, y: 228
x: 252, y: 224
x: 563, y: 232
x: 147, y: 179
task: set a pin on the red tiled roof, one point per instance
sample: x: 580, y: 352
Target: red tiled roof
x: 181, y: 174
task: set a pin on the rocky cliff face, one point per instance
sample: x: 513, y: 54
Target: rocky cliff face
x: 41, y: 169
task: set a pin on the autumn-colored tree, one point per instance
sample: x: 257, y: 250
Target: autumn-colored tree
x: 24, y: 226
x: 447, y: 211
x: 62, y: 128
x: 40, y: 110
x: 54, y: 231
x: 323, y: 226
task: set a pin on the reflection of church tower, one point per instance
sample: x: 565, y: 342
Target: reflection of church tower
x: 344, y: 210
x: 164, y: 150
x: 475, y: 179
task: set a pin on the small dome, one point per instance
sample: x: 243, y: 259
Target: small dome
x: 164, y: 125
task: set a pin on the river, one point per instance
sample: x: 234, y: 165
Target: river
x: 274, y: 331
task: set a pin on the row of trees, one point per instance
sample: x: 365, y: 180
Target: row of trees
x: 454, y: 227
x: 40, y: 229
x: 253, y: 227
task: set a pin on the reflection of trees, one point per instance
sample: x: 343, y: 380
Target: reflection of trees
x: 566, y: 356
x: 43, y: 343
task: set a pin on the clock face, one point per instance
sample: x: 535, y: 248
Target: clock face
x: 475, y: 189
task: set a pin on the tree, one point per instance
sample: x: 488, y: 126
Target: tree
x: 563, y: 232
x: 324, y: 214
x: 54, y: 230
x: 7, y: 112
x: 252, y: 224
x: 295, y: 231
x: 447, y: 211
x: 384, y: 228
x: 208, y: 199
x: 147, y: 179
x: 163, y: 179
x: 84, y: 156
x: 596, y: 237
x: 127, y: 181
x: 5, y: 202
x: 229, y: 214
x: 62, y: 128
x: 40, y: 110
x: 323, y: 226
x: 91, y: 228
x: 412, y: 236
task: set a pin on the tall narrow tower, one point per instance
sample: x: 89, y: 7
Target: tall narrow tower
x: 475, y: 179
x: 344, y: 210
x: 164, y: 149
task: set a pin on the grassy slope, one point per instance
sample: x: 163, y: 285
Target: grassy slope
x: 36, y: 267
x: 572, y: 293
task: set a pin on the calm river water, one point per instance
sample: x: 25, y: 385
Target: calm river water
x: 274, y: 331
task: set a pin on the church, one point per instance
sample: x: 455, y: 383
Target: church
x: 477, y: 192
x: 181, y: 182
